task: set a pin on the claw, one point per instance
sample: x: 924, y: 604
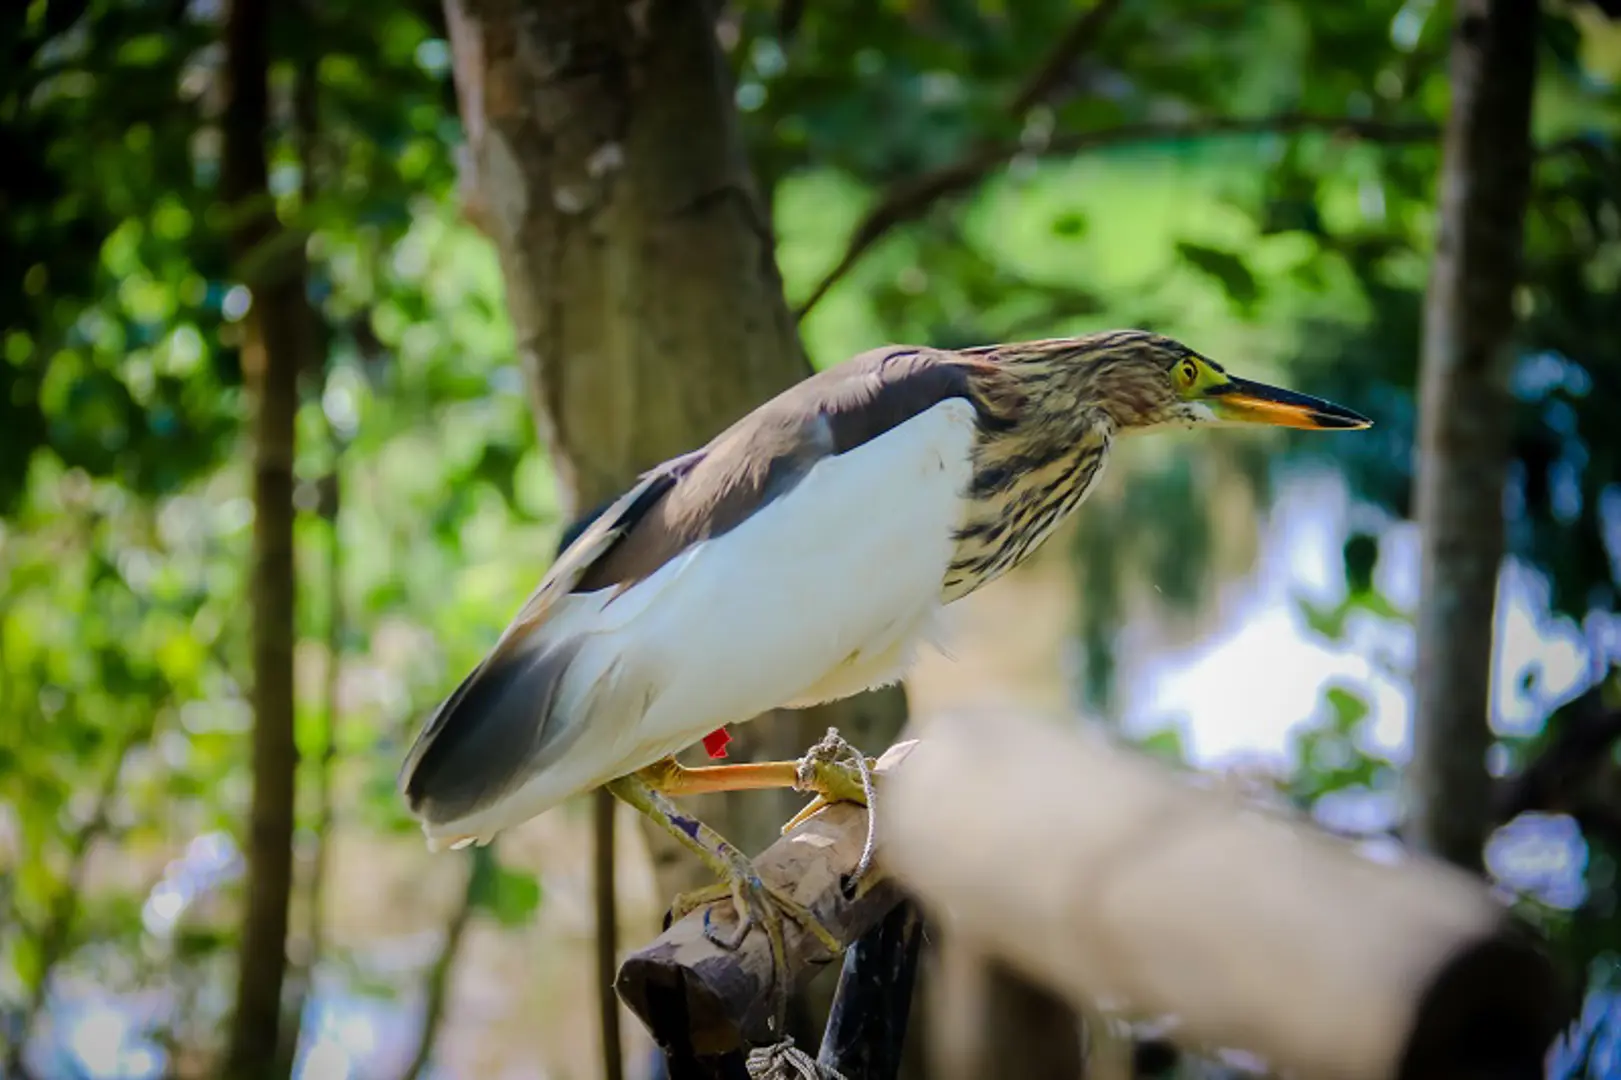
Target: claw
x: 754, y: 903
x: 832, y: 783
x: 832, y: 769
x: 811, y: 809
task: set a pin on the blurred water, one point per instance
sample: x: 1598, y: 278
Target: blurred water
x: 1242, y: 691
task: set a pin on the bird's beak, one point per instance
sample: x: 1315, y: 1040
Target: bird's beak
x: 1242, y: 401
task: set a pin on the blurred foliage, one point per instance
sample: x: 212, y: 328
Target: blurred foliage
x: 1300, y: 255
x: 1555, y: 860
x: 124, y: 488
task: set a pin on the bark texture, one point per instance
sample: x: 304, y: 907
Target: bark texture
x: 641, y: 277
x: 605, y: 162
x: 272, y: 348
x: 605, y: 887
x: 1465, y: 418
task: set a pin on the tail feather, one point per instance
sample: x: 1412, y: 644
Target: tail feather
x: 494, y: 732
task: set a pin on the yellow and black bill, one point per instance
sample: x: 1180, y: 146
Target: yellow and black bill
x: 1243, y: 401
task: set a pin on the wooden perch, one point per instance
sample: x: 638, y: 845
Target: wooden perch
x: 697, y: 998
x: 1149, y: 893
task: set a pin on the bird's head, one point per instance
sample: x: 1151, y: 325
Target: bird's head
x: 1144, y: 381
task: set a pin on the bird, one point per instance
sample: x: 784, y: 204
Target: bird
x: 802, y: 556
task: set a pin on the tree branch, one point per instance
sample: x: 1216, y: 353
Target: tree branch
x: 467, y: 46
x: 437, y: 991
x: 273, y: 351
x: 911, y: 198
x: 1078, y: 40
x: 605, y: 893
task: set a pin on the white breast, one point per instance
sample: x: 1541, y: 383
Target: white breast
x: 821, y: 594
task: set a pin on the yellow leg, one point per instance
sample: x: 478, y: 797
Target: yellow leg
x: 830, y: 781
x: 816, y: 772
x: 755, y: 903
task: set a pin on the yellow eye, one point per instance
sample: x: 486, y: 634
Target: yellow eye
x: 1188, y: 374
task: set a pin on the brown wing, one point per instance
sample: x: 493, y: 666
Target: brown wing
x: 765, y: 454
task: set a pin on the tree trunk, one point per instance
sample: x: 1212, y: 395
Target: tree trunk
x: 271, y: 348
x: 480, y: 862
x: 1464, y: 425
x: 606, y: 164
x: 605, y: 888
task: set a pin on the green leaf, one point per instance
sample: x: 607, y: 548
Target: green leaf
x: 27, y: 960
x: 512, y: 896
x: 1378, y: 604
x: 1324, y: 619
x: 1069, y: 225
x: 1348, y: 708
x: 144, y: 50
x: 199, y: 942
x: 1361, y: 555
x: 1166, y: 743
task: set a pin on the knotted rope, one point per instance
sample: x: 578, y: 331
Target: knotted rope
x: 785, y: 1061
x: 834, y: 750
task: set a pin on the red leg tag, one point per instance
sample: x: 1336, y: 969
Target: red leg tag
x: 715, y: 743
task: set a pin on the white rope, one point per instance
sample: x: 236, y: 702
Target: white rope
x: 834, y: 750
x: 785, y: 1061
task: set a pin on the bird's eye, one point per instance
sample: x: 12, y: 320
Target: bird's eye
x: 1189, y: 372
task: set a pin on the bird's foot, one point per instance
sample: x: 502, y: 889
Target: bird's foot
x: 838, y: 772
x: 756, y: 904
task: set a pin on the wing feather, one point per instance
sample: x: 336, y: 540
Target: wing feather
x: 600, y: 538
x: 504, y: 712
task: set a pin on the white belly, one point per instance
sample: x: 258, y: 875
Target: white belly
x: 833, y: 579
x: 824, y: 593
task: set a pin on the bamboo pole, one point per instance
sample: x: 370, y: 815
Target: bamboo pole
x: 1144, y: 892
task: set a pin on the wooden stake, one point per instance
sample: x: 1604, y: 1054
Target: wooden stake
x: 866, y: 1027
